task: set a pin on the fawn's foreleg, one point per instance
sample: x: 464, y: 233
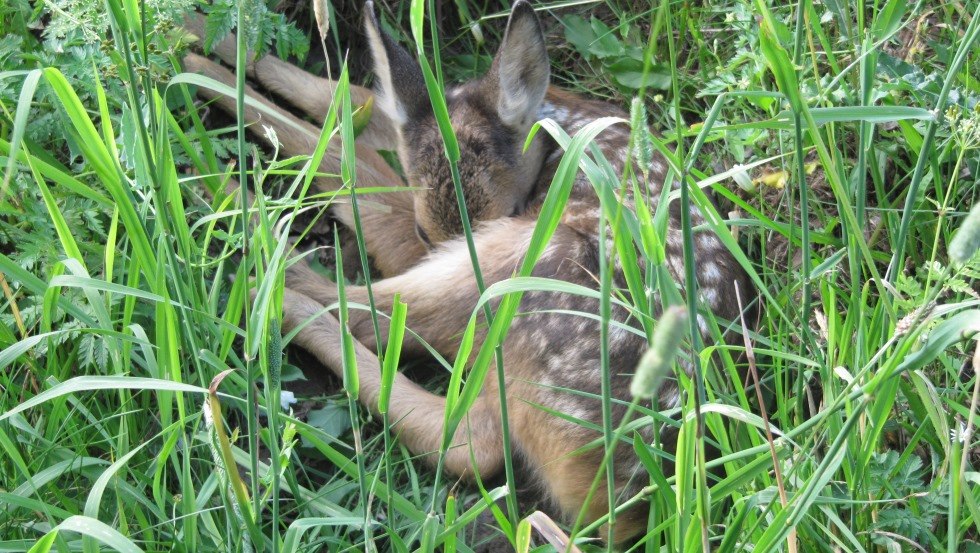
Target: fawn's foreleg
x: 387, y: 220
x: 416, y: 413
x: 440, y: 291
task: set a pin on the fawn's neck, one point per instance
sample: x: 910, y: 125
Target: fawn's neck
x: 573, y: 112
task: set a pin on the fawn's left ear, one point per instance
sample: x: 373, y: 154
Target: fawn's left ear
x: 521, y: 68
x: 402, y: 94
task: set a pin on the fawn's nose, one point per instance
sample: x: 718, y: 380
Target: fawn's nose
x: 422, y: 235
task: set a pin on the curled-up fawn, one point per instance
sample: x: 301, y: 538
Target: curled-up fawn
x: 551, y: 357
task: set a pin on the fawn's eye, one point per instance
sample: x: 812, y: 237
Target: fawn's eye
x: 422, y: 235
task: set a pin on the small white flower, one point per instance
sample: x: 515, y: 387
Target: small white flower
x: 286, y: 398
x: 958, y: 434
x: 742, y: 178
x: 270, y: 134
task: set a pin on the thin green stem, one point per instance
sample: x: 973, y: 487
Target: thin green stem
x: 691, y: 296
x: 605, y: 308
x: 251, y: 415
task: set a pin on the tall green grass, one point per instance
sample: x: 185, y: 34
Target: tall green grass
x: 122, y: 428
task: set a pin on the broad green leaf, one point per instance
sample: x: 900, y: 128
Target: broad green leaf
x: 88, y: 526
x: 92, y: 383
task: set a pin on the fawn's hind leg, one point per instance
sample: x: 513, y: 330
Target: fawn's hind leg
x: 309, y: 93
x: 417, y: 414
x: 387, y: 220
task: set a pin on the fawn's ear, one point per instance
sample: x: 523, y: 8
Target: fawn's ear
x: 401, y: 88
x: 521, y: 68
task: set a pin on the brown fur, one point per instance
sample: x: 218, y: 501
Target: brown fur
x: 545, y: 351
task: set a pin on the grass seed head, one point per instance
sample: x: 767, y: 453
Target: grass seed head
x: 966, y: 242
x: 658, y: 361
x: 642, y: 145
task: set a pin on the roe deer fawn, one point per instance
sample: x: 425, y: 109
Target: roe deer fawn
x: 417, y: 248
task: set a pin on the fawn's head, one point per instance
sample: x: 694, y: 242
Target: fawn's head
x: 490, y: 116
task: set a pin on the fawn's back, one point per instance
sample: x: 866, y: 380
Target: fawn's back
x: 491, y: 118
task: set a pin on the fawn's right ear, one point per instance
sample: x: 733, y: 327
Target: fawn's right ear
x: 521, y: 69
x: 401, y: 90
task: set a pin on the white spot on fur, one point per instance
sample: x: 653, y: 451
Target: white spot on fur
x: 676, y: 265
x: 619, y: 334
x: 703, y: 325
x: 697, y: 218
x: 581, y: 413
x: 710, y: 294
x: 672, y: 400
x: 546, y: 380
x: 710, y: 272
x: 706, y: 242
x: 551, y: 111
x: 571, y: 406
